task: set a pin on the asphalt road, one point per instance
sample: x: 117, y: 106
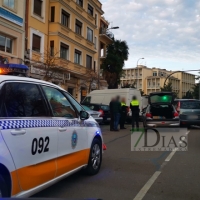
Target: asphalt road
x: 127, y: 174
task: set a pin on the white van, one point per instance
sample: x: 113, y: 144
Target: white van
x: 105, y: 96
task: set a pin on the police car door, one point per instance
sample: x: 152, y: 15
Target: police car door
x: 29, y: 133
x: 70, y: 139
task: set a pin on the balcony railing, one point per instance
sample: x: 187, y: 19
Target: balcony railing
x: 104, y: 31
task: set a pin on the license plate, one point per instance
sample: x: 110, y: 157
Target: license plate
x: 193, y: 117
x: 108, y: 119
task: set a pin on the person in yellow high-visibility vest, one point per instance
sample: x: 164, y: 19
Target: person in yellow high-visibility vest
x: 123, y: 113
x: 134, y: 105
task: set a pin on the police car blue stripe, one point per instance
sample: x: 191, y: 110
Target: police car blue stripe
x: 15, y: 124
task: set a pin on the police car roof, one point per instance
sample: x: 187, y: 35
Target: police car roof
x: 26, y: 79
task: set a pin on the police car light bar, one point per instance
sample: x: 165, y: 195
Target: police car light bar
x: 12, y: 68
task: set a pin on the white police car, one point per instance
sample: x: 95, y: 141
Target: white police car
x: 45, y: 135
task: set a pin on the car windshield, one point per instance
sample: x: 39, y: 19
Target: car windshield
x: 190, y: 105
x: 86, y: 108
x: 164, y: 98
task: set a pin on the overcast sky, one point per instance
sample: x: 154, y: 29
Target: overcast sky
x: 165, y: 32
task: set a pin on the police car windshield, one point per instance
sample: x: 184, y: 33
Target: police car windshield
x: 161, y: 98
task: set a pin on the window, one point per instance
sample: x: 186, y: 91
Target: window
x: 79, y: 2
x: 94, y: 66
x: 64, y: 51
x: 9, y: 3
x: 6, y: 44
x: 95, y: 19
x: 70, y: 90
x: 52, y: 13
x: 24, y: 100
x: 89, y: 62
x: 65, y: 18
x: 74, y: 102
x: 90, y: 9
x: 36, y: 43
x: 52, y: 48
x: 77, y: 57
x: 90, y: 34
x: 190, y: 104
x: 37, y: 8
x: 95, y: 43
x: 78, y: 27
x: 60, y: 106
x: 154, y: 73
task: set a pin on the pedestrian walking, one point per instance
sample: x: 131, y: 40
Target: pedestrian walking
x: 111, y: 114
x: 123, y: 113
x: 134, y: 105
x: 116, y: 112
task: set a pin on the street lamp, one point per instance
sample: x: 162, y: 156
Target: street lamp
x: 138, y: 70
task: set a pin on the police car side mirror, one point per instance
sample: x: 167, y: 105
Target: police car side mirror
x: 84, y: 115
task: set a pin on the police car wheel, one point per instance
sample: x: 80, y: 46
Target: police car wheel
x: 95, y: 158
x: 3, y: 188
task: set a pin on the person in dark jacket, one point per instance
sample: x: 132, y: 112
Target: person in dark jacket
x: 111, y: 115
x: 123, y: 113
x: 116, y: 109
x: 134, y: 105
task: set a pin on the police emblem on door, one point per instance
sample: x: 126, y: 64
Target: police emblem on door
x: 74, y: 139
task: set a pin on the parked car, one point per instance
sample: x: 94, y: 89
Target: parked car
x: 95, y: 114
x: 103, y: 109
x: 161, y: 112
x: 189, y: 111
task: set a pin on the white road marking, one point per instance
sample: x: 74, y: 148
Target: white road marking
x: 150, y: 182
x: 171, y: 155
x: 147, y: 186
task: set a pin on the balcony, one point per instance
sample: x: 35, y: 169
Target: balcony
x: 105, y: 36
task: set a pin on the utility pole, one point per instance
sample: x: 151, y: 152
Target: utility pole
x: 199, y: 86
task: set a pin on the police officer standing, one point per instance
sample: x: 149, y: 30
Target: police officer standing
x: 123, y: 113
x: 134, y: 105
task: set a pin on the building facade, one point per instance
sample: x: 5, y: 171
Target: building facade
x: 152, y: 79
x: 68, y: 30
x: 12, y: 31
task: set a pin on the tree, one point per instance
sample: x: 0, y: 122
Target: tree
x: 92, y: 78
x: 117, y: 54
x: 195, y: 92
x: 188, y: 95
x: 168, y: 88
x: 50, y: 64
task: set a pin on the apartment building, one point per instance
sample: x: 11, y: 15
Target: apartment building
x: 152, y: 79
x: 187, y: 81
x: 12, y: 31
x: 70, y: 31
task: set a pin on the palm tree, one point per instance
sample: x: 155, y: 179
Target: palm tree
x: 117, y: 54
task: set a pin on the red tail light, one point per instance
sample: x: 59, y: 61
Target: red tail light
x: 149, y: 115
x: 176, y: 114
x: 102, y: 113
